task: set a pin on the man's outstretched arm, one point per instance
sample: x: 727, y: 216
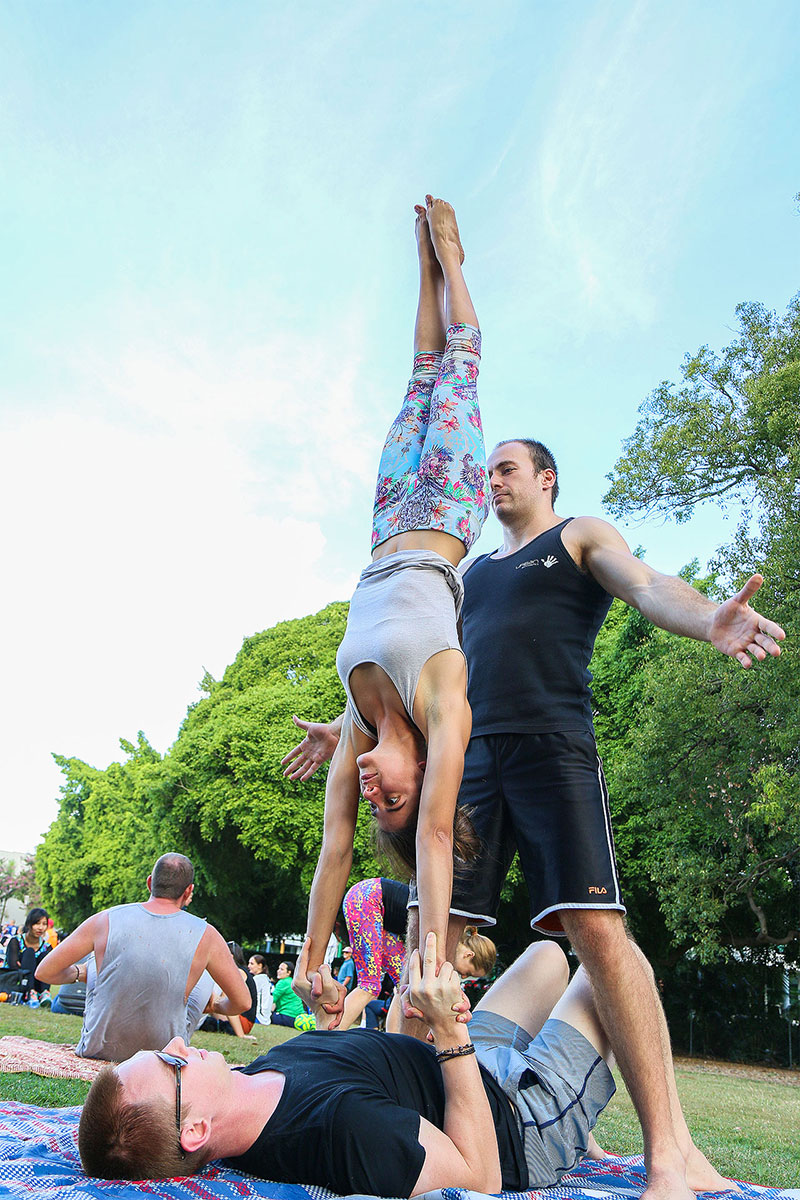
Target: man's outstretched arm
x: 733, y: 627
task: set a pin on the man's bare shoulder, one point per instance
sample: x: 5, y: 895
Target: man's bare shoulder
x: 211, y: 935
x: 586, y: 529
x: 97, y: 924
x: 586, y: 533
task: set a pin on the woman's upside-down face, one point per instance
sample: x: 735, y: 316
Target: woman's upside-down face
x: 390, y: 780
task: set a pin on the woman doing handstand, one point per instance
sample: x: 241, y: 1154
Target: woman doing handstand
x: 407, y: 720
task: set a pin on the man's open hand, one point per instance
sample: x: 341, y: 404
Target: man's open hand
x: 739, y: 631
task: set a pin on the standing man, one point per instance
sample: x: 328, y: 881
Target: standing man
x: 532, y: 776
x: 347, y: 971
x: 153, y: 969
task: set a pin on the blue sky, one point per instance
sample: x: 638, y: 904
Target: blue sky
x: 209, y: 285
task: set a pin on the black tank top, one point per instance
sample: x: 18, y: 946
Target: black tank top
x: 529, y: 626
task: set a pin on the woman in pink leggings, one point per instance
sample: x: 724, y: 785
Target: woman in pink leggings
x: 375, y: 915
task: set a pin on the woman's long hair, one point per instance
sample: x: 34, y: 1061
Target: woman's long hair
x: 238, y: 955
x: 33, y: 917
x: 484, y: 951
x: 399, y: 847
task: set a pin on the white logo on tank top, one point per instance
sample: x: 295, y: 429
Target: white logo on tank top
x: 550, y: 561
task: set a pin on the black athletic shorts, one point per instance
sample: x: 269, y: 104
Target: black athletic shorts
x: 543, y: 794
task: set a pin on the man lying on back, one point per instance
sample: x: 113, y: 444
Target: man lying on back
x: 506, y: 1102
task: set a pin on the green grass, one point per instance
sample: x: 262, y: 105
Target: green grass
x: 746, y: 1128
x: 58, y: 1027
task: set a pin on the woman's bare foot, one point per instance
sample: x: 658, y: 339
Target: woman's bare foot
x: 427, y: 254
x: 444, y: 230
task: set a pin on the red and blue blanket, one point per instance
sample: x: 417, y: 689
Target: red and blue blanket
x: 39, y: 1161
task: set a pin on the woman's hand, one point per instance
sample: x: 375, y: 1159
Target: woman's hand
x: 321, y: 993
x: 316, y: 748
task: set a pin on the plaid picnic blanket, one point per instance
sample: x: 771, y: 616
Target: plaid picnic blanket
x: 39, y: 1161
x: 57, y: 1060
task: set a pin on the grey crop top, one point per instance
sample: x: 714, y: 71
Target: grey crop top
x: 404, y: 610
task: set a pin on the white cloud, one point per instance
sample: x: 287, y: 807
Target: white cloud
x: 172, y: 503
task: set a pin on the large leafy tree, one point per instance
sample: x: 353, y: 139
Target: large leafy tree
x: 100, y: 848
x: 709, y: 770
x: 729, y: 433
x: 218, y: 795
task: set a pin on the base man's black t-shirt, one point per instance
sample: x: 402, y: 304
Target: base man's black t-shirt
x: 349, y: 1115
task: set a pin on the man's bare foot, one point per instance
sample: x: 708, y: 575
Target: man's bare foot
x: 444, y: 230
x: 594, y: 1150
x: 427, y: 254
x: 702, y: 1177
x: 667, y: 1185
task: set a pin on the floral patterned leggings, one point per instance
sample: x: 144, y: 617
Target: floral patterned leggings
x: 376, y: 952
x: 432, y: 473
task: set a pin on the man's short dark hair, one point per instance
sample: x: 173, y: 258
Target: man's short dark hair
x: 541, y: 458
x: 171, y: 876
x: 130, y: 1141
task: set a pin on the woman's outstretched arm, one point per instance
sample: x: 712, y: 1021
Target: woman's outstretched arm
x: 448, y: 722
x: 317, y: 747
x: 336, y: 855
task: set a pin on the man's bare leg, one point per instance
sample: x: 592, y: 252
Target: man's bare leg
x: 530, y: 990
x: 700, y: 1174
x: 630, y: 1011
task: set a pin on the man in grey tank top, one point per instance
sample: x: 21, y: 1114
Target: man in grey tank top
x: 152, y: 971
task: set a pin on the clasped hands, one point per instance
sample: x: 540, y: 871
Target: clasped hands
x: 320, y: 992
x: 434, y: 996
x: 430, y: 995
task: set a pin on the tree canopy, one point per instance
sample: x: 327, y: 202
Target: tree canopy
x: 730, y: 433
x: 709, y: 768
x: 218, y: 795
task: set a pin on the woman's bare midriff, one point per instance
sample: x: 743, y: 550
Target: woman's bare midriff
x: 451, y: 548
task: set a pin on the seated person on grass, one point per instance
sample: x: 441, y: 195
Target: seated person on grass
x: 286, y: 1006
x: 507, y: 1101
x: 150, y: 970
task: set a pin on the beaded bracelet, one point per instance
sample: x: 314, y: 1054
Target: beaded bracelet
x: 455, y: 1052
